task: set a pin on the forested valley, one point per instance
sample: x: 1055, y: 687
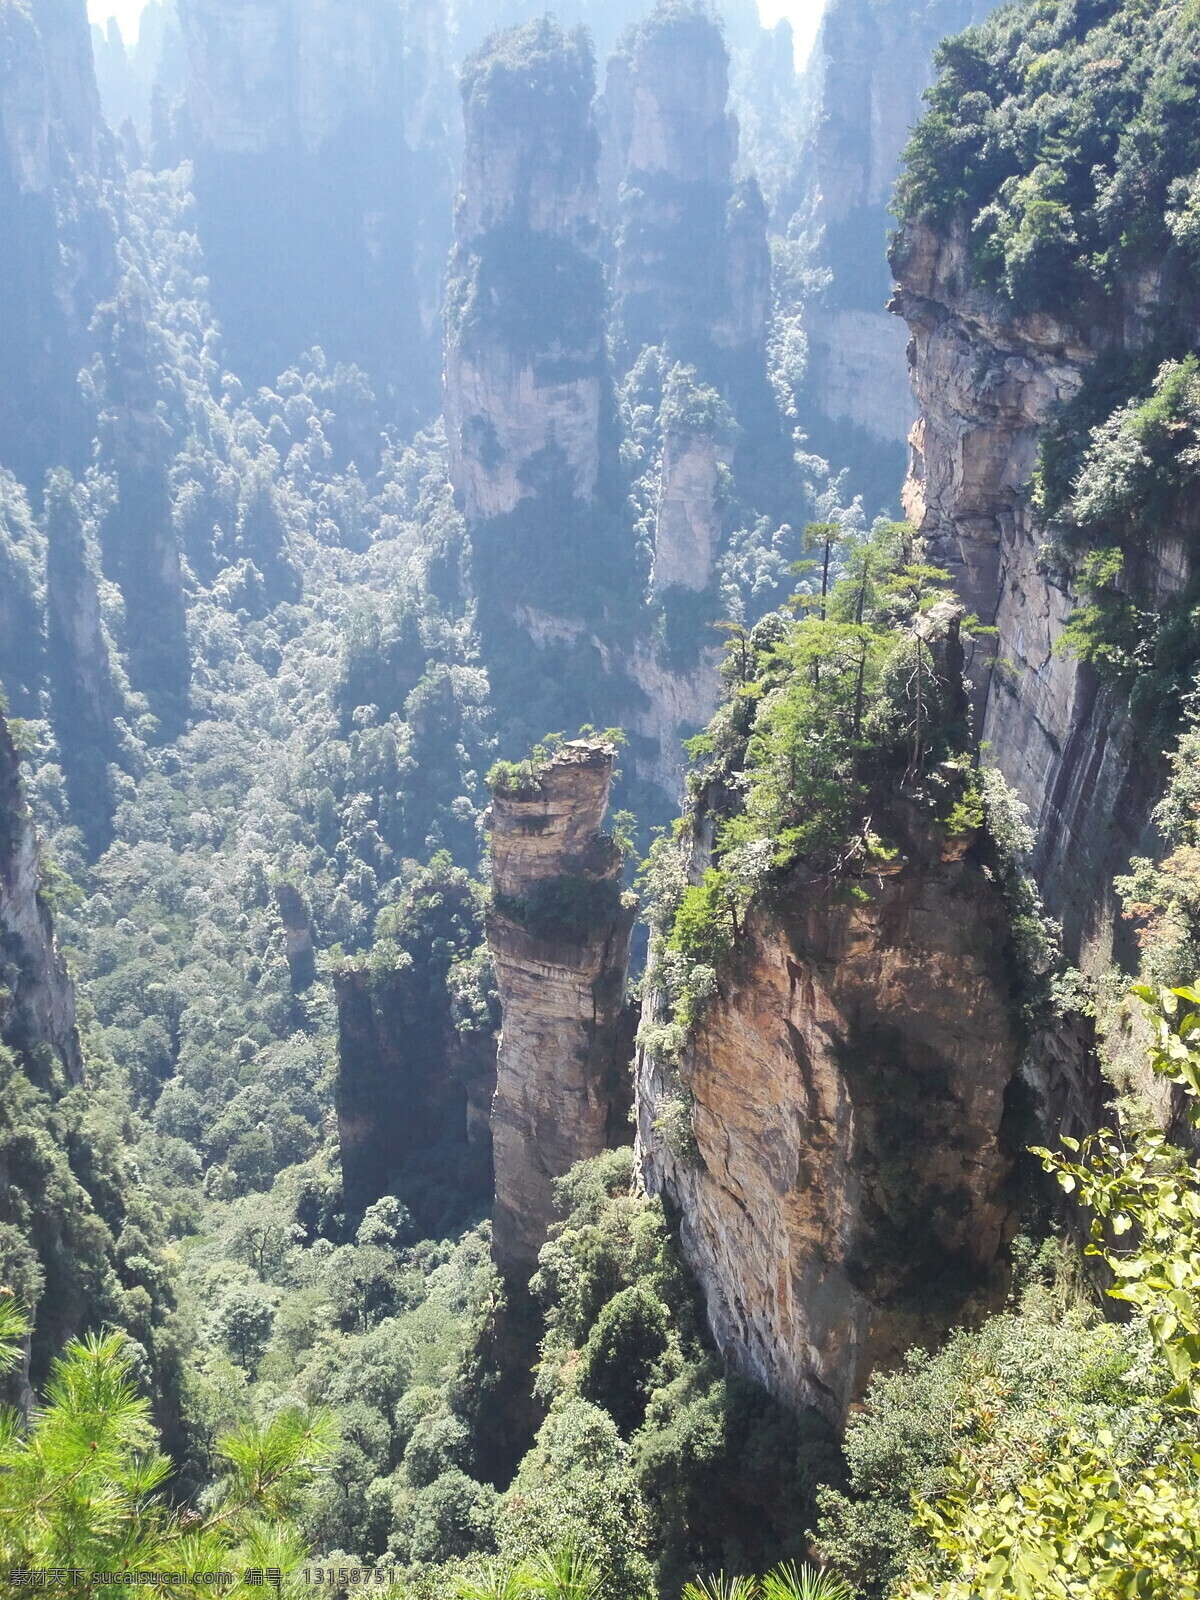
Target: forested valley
x: 600, y: 801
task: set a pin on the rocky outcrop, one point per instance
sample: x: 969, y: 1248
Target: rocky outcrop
x: 37, y: 999
x: 559, y: 934
x: 988, y: 382
x: 692, y: 271
x: 296, y: 918
x: 83, y: 692
x: 323, y: 158
x: 525, y: 370
x: 59, y: 255
x: 868, y: 71
x: 688, y: 527
x: 833, y: 1136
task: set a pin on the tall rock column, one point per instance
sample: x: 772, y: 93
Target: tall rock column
x: 559, y: 935
x: 530, y: 409
x: 692, y: 267
x: 139, y: 544
x: 525, y: 356
x: 83, y: 691
x: 869, y: 68
x: 58, y: 257
x: 37, y: 999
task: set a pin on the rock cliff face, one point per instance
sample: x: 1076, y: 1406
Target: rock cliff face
x: 83, y: 692
x: 37, y: 1000
x: 846, y: 1192
x: 22, y: 633
x: 526, y: 378
x: 869, y: 67
x: 692, y: 267
x: 987, y: 382
x: 58, y: 256
x: 322, y: 176
x: 687, y: 529
x: 559, y: 935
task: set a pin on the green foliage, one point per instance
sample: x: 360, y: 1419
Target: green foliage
x: 1108, y: 630
x: 562, y: 1571
x: 1044, y: 984
x: 522, y: 778
x: 1134, y: 481
x: 785, y: 1582
x: 843, y: 696
x: 714, y: 1471
x: 622, y: 1356
x: 538, y: 295
x: 691, y: 407
x: 823, y: 718
x: 80, y: 1485
x: 994, y: 1399
x: 1162, y: 898
x: 1061, y: 135
x: 706, y: 923
x: 577, y: 1483
x: 1111, y: 1507
x: 22, y: 585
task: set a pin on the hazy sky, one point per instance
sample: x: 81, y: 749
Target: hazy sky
x: 805, y: 15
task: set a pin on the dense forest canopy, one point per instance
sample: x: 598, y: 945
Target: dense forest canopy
x: 383, y: 412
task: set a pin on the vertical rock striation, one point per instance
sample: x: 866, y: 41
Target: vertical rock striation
x: 869, y: 68
x: 559, y: 934
x: 59, y: 253
x: 323, y: 175
x: 526, y: 375
x: 37, y: 1000
x: 833, y: 1134
x: 687, y: 528
x: 988, y: 382
x: 692, y: 267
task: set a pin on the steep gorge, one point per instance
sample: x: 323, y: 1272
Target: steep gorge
x: 298, y: 1077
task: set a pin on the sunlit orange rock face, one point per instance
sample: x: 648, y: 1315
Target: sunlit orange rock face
x: 562, y: 1079
x: 848, y: 1192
